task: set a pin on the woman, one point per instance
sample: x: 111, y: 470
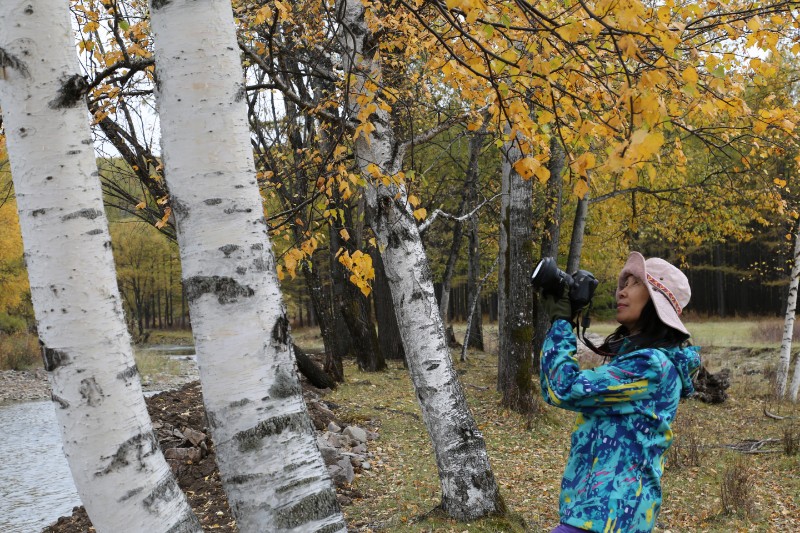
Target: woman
x: 612, y: 481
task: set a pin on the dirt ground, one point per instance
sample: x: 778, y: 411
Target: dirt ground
x: 199, y: 479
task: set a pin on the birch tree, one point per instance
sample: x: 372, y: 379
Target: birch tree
x: 788, y: 327
x: 515, y: 293
x: 112, y: 451
x: 469, y: 489
x: 270, y: 466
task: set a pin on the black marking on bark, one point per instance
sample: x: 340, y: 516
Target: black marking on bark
x: 425, y: 275
x: 434, y: 366
x: 241, y: 479
x: 239, y: 403
x: 9, y: 61
x: 37, y: 212
x: 227, y: 290
x: 164, y: 491
x: 128, y: 373
x: 73, y: 152
x: 130, y: 494
x: 212, y: 420
x: 240, y: 92
x: 23, y: 132
x: 87, y: 142
x: 188, y: 523
x: 139, y: 446
x: 228, y: 249
x: 285, y: 386
x: 48, y: 178
x: 417, y: 295
x: 97, y: 231
x: 72, y: 91
x: 241, y: 270
x: 213, y: 201
x: 62, y: 403
x: 91, y: 392
x: 313, y: 507
x: 260, y: 265
x: 257, y: 246
x: 54, y: 358
x: 299, y: 483
x: 291, y: 467
x: 253, y: 438
x: 89, y: 213
x: 158, y: 4
x: 280, y: 331
x: 178, y: 207
x: 232, y: 210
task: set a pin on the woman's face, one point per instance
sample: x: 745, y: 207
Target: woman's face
x: 631, y: 299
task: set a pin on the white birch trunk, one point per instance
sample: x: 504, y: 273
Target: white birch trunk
x: 119, y: 471
x: 270, y: 465
x: 468, y: 486
x: 788, y: 329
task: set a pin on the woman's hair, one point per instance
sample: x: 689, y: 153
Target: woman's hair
x: 653, y: 333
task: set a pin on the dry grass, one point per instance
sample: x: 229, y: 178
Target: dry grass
x: 19, y: 351
x: 403, y: 488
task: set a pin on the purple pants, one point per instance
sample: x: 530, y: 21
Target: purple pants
x: 564, y: 528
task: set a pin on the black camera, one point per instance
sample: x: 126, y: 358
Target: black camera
x: 551, y: 280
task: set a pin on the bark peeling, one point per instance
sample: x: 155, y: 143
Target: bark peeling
x: 54, y: 358
x: 227, y: 290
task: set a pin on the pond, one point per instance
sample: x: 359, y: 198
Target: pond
x: 36, y: 486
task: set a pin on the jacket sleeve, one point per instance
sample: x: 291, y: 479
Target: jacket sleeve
x: 614, y: 388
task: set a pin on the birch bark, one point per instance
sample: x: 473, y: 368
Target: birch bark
x: 271, y: 468
x: 788, y: 326
x: 119, y: 471
x: 515, y: 358
x: 468, y: 486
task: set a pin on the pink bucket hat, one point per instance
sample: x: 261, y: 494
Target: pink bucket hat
x: 668, y: 287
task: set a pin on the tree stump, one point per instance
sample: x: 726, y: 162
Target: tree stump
x: 710, y: 388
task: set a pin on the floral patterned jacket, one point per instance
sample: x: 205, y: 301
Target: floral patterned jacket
x: 612, y: 481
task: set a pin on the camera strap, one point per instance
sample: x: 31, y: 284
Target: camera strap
x: 583, y: 323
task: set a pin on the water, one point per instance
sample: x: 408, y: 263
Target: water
x: 36, y: 486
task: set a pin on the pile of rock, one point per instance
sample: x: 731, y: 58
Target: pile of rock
x: 343, y: 447
x: 23, y: 385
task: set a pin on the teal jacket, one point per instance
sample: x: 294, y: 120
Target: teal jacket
x: 612, y: 481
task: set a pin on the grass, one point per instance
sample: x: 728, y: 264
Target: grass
x: 19, y: 351
x: 401, y: 491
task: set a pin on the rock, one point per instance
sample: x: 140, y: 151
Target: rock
x: 356, y: 433
x: 193, y: 436
x: 333, y: 428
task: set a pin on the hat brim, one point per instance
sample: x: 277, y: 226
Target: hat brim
x: 636, y: 266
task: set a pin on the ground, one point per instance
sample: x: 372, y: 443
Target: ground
x: 199, y: 479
